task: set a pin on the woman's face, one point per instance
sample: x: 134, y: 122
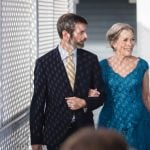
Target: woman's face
x: 125, y: 43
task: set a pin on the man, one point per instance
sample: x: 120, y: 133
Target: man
x: 60, y: 103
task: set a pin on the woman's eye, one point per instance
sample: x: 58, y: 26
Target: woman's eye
x: 125, y: 40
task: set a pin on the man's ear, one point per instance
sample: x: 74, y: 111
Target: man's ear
x: 66, y: 35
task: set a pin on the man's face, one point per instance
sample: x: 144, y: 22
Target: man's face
x: 79, y: 36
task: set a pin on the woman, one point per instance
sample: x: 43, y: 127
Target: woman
x: 126, y: 78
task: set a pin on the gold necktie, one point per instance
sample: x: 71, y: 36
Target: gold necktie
x: 70, y: 69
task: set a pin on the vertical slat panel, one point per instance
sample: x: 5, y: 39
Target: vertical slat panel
x: 17, y: 58
x: 1, y: 102
x: 45, y: 26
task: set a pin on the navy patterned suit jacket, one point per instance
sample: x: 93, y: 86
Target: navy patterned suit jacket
x: 50, y: 116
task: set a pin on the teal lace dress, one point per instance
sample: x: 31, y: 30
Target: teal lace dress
x: 123, y: 109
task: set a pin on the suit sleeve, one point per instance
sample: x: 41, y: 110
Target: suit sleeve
x: 96, y: 82
x: 37, y: 104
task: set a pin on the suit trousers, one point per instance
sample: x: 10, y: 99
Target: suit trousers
x: 72, y: 129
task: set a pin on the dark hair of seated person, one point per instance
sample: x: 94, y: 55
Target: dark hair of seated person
x: 92, y: 139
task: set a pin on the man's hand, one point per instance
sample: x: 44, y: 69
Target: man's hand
x: 75, y: 103
x: 37, y: 147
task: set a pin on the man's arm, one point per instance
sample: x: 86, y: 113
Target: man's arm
x: 37, y: 104
x: 145, y: 90
x: 97, y: 83
x: 91, y: 102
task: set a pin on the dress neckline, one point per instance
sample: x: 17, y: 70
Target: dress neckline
x: 127, y: 73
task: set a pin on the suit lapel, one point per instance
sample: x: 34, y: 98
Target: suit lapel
x: 78, y: 69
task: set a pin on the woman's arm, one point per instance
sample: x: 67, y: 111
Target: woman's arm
x: 145, y: 90
x: 93, y: 93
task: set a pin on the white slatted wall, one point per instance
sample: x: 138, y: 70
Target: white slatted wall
x: 17, y: 54
x: 27, y: 31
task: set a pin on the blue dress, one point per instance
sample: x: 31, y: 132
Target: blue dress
x: 123, y: 109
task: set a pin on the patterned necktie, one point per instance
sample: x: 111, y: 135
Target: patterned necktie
x: 70, y: 69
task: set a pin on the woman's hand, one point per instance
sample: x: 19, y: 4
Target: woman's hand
x: 93, y: 93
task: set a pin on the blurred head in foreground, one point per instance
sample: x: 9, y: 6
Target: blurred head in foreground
x: 91, y: 139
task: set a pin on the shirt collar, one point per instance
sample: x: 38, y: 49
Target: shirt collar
x: 64, y: 53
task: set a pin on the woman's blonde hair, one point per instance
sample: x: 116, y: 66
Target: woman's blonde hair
x: 114, y: 31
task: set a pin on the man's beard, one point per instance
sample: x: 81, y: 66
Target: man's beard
x: 80, y: 45
x: 77, y: 44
